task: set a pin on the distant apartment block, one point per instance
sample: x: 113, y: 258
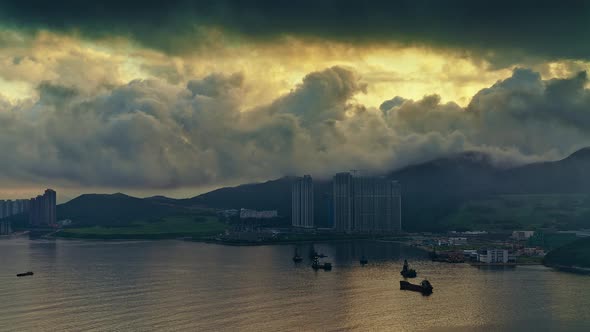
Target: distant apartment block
x: 522, y: 235
x: 366, y: 204
x: 253, y: 214
x: 302, y: 202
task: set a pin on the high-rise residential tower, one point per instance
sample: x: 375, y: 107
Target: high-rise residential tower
x: 42, y: 209
x: 343, y: 208
x: 302, y: 202
x: 366, y: 204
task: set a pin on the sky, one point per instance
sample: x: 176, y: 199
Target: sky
x: 180, y: 97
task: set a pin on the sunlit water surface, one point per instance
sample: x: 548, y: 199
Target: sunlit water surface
x: 175, y: 285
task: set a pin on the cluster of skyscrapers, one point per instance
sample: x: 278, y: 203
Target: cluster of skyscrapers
x: 359, y: 204
x: 41, y: 209
x: 9, y: 208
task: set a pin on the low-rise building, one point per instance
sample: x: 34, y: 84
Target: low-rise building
x: 474, y: 233
x: 533, y: 252
x: 457, y: 241
x: 64, y: 222
x: 229, y: 213
x: 491, y: 256
x: 253, y: 214
x: 522, y: 235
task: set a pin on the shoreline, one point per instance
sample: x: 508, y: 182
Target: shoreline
x: 210, y: 240
x: 569, y: 269
x: 267, y: 243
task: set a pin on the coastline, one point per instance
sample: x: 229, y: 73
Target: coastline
x: 569, y: 269
x: 280, y: 242
x: 319, y: 239
x: 207, y: 239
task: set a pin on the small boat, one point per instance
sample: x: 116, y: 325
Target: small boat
x: 363, y: 260
x: 425, y: 287
x: 316, y: 265
x: 25, y: 274
x: 406, y: 272
x: 296, y: 257
x: 312, y: 253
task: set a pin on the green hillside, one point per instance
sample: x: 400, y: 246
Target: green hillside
x: 574, y: 254
x: 162, y: 228
x: 115, y: 210
x: 509, y: 212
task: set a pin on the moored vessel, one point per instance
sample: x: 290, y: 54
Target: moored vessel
x: 406, y: 272
x: 25, y: 274
x: 316, y: 265
x: 296, y: 257
x: 424, y: 287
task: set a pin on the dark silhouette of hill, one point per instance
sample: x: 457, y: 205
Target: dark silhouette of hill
x: 569, y: 175
x: 269, y: 195
x: 261, y: 196
x: 431, y: 191
x: 114, y: 209
x: 471, y: 172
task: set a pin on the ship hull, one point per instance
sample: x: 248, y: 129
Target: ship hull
x: 24, y: 274
x: 404, y: 285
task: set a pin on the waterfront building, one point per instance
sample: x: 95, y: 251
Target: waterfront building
x: 302, y: 213
x: 494, y: 256
x: 366, y: 204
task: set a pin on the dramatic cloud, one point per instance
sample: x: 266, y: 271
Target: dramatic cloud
x: 154, y: 134
x: 499, y: 30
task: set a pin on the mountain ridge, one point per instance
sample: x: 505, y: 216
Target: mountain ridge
x: 431, y: 190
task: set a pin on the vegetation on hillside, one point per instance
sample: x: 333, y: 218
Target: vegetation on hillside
x: 510, y: 212
x: 576, y: 254
x: 119, y: 210
x: 193, y: 226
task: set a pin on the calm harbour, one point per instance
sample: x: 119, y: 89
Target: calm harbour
x: 176, y: 285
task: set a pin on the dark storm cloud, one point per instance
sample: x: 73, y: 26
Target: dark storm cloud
x: 494, y: 29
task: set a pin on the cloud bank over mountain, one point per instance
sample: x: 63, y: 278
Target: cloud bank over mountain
x: 154, y: 134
